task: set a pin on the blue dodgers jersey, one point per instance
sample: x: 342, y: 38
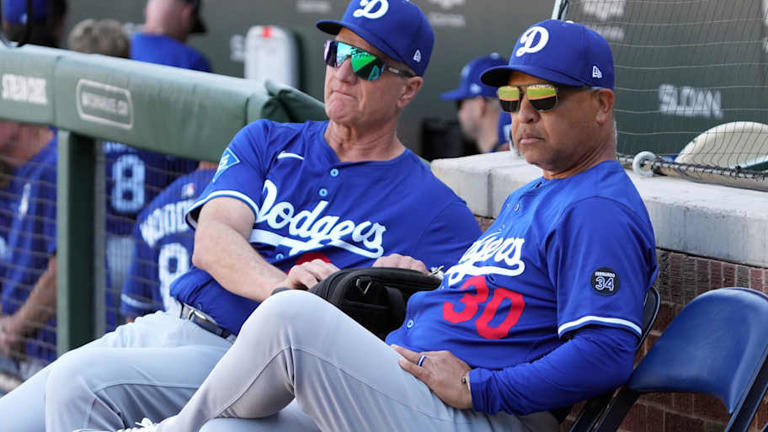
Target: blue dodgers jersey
x: 134, y: 178
x: 563, y: 254
x: 308, y: 204
x: 162, y: 247
x: 159, y: 49
x: 32, y: 241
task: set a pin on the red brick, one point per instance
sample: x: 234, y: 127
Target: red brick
x: 667, y: 312
x: 654, y: 419
x: 662, y: 400
x: 683, y: 403
x: 765, y: 281
x: 742, y: 276
x: 729, y: 275
x: 710, y: 408
x: 635, y: 420
x: 715, y: 274
x: 714, y: 426
x: 676, y: 278
x: 756, y: 279
x: 702, y: 276
x: 761, y: 418
x: 674, y: 422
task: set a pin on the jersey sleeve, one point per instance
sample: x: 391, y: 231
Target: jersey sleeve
x: 600, y: 257
x: 447, y: 237
x: 141, y: 287
x: 241, y: 173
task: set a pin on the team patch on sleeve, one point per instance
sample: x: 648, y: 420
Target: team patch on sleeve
x: 605, y: 281
x: 228, y: 159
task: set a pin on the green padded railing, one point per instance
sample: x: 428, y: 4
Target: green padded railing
x: 92, y: 97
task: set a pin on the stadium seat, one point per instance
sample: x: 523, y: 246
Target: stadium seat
x: 593, y: 408
x: 717, y: 345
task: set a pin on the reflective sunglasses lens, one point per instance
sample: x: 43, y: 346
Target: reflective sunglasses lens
x: 509, y: 97
x: 543, y: 97
x: 364, y: 64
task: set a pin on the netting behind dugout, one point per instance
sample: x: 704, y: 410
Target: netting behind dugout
x: 683, y: 68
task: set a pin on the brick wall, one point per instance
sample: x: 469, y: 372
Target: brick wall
x: 681, y: 278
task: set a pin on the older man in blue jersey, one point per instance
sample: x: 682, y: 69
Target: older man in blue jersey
x: 550, y: 294
x: 289, y: 204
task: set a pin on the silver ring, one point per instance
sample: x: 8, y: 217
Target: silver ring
x: 421, y: 360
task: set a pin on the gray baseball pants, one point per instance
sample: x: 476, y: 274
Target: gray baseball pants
x: 149, y: 368
x: 297, y: 346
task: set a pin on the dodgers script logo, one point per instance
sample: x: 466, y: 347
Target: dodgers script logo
x: 311, y: 229
x: 533, y: 40
x: 482, y: 257
x: 370, y: 10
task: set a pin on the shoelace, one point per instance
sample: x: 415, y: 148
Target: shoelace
x: 146, y: 425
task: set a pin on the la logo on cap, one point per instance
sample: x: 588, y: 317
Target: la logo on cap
x: 372, y: 9
x: 533, y: 40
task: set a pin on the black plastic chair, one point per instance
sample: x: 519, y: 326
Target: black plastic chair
x: 717, y: 345
x: 594, y: 408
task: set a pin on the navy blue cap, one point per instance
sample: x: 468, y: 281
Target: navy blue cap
x: 398, y: 28
x: 15, y: 11
x: 470, y: 85
x: 560, y: 52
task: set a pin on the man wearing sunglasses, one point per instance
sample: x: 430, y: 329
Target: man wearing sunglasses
x: 542, y: 311
x: 288, y: 205
x: 478, y: 108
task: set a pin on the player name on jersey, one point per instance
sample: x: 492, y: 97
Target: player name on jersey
x: 308, y: 230
x: 493, y: 249
x: 165, y: 220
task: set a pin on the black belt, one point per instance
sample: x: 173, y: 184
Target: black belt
x: 205, y: 322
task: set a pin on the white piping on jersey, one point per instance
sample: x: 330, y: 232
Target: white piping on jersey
x: 285, y: 154
x: 591, y: 318
x: 130, y: 301
x: 217, y: 194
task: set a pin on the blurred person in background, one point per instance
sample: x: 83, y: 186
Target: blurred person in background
x: 47, y: 22
x: 478, y: 108
x: 162, y: 246
x: 162, y: 40
x: 28, y: 296
x: 134, y: 177
x: 28, y: 214
x: 106, y: 37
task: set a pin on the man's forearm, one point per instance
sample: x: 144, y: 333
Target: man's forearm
x: 222, y: 252
x: 594, y: 361
x: 40, y: 306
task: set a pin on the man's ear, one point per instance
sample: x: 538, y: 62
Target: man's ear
x: 410, y: 90
x: 605, y: 99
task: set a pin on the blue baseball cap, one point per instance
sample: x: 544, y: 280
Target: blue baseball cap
x: 560, y: 52
x: 470, y: 85
x: 15, y: 11
x: 398, y: 28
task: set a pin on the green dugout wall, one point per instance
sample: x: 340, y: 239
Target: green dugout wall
x: 92, y: 97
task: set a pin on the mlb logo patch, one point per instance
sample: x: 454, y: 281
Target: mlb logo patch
x: 228, y: 159
x: 188, y: 190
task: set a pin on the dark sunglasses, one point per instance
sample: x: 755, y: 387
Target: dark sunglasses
x: 364, y: 64
x: 542, y: 96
